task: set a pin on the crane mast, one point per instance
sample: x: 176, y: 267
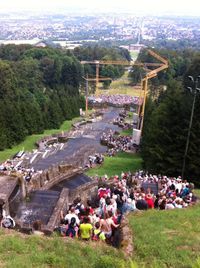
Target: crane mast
x: 151, y: 73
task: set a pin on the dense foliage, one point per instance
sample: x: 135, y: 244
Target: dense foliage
x: 136, y: 74
x: 39, y: 88
x: 163, y: 43
x: 167, y: 120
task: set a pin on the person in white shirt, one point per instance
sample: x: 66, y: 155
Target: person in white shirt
x: 71, y: 215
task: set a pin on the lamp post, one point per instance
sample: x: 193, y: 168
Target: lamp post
x: 193, y: 90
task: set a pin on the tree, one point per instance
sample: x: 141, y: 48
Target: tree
x: 39, y: 88
x: 164, y: 138
x: 6, y: 80
x: 136, y: 74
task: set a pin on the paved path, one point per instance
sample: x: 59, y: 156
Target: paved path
x: 86, y: 142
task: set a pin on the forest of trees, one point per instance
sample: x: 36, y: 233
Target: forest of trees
x: 167, y: 118
x: 39, y: 87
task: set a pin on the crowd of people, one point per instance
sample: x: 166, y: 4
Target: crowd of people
x: 116, y: 143
x: 118, y: 100
x: 96, y: 159
x: 101, y: 218
x: 120, y: 121
x: 9, y: 167
x: 172, y: 192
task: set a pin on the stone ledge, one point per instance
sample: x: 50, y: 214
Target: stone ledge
x: 127, y: 237
x: 60, y: 206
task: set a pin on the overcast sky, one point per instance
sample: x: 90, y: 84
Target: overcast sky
x: 191, y: 7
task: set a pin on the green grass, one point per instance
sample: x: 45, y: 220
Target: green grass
x: 31, y: 251
x: 197, y: 192
x: 134, y: 54
x: 161, y: 239
x: 29, y: 143
x: 122, y: 86
x: 127, y: 132
x: 115, y: 165
x: 167, y: 238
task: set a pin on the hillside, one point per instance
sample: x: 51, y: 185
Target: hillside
x: 167, y: 238
x: 161, y: 239
x: 33, y: 251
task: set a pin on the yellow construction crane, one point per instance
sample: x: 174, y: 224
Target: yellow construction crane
x: 116, y: 62
x: 144, y: 82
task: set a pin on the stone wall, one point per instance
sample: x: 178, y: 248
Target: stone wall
x: 47, y: 140
x: 62, y: 205
x: 84, y: 191
x: 127, y: 237
x: 66, y: 198
x: 7, y: 186
x: 46, y: 179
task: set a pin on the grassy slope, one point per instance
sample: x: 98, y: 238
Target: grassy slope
x: 30, y: 251
x: 161, y: 239
x: 115, y: 165
x: 167, y: 238
x: 197, y: 192
x: 29, y: 143
x: 122, y: 86
x: 134, y: 54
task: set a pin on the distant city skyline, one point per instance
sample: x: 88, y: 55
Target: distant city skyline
x: 154, y: 7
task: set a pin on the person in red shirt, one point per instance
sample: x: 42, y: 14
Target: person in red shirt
x: 149, y: 199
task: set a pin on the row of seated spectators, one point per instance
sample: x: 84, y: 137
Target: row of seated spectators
x: 8, y: 168
x: 116, y: 143
x: 100, y: 219
x: 121, y: 123
x: 121, y: 120
x: 118, y: 100
x: 173, y: 192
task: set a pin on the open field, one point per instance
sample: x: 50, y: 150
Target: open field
x: 115, y: 165
x: 134, y: 54
x: 121, y: 86
x: 197, y: 192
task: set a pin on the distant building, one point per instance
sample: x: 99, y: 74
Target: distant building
x: 20, y: 42
x: 67, y: 44
x: 41, y: 44
x: 136, y: 47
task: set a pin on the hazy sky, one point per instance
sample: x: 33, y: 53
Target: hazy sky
x: 191, y: 7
